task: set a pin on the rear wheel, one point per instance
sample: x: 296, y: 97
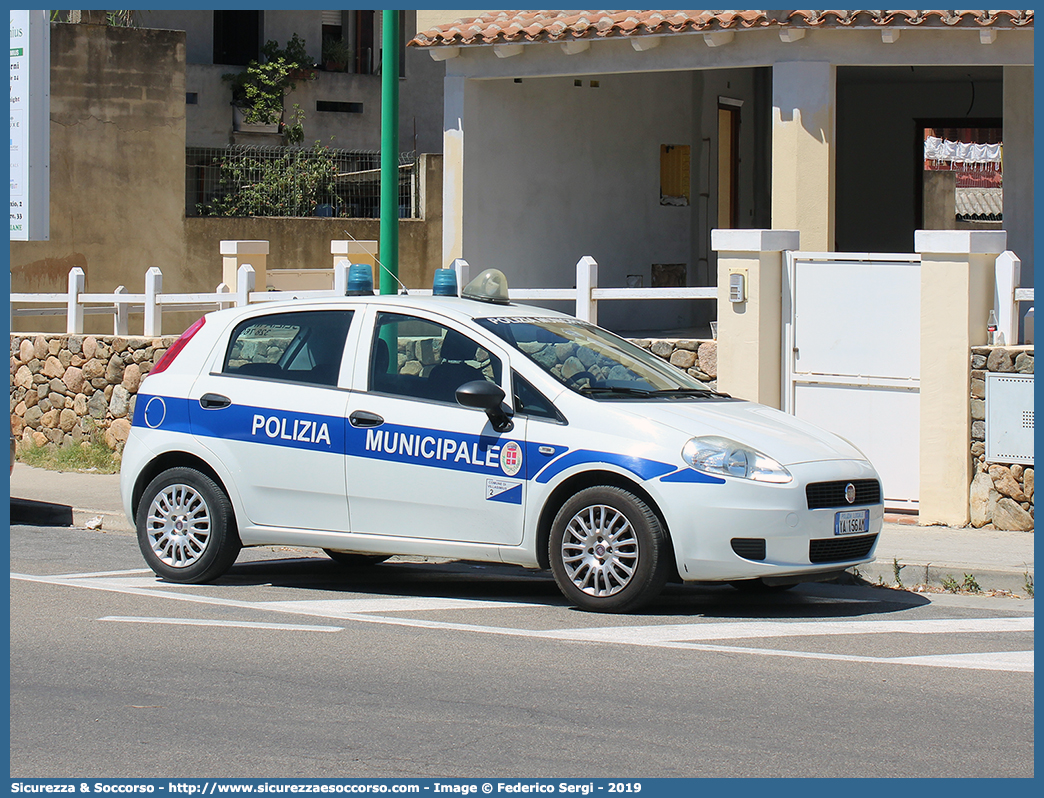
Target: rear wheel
x: 186, y: 527
x: 349, y: 558
x: 609, y: 551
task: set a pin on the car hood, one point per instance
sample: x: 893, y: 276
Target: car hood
x: 781, y: 436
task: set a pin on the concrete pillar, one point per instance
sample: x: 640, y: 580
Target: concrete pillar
x: 236, y: 253
x: 803, y: 142
x: 357, y: 252
x: 957, y: 285
x: 453, y: 169
x: 750, y: 332
x: 1019, y: 147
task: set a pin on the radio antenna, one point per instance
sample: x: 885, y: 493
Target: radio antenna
x: 377, y: 260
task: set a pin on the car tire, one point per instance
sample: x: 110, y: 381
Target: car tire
x: 757, y: 586
x: 609, y: 551
x: 349, y: 558
x: 186, y: 527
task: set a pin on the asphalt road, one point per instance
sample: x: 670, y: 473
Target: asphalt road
x: 294, y: 666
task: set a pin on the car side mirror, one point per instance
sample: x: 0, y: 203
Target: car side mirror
x: 484, y: 395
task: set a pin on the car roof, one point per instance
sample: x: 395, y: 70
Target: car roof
x: 453, y: 307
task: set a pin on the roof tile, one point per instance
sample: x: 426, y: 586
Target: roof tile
x: 501, y: 27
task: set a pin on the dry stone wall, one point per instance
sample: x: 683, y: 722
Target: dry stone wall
x: 1001, y: 494
x: 68, y: 389
x: 698, y: 358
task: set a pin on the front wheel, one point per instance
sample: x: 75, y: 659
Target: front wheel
x: 609, y: 551
x: 186, y: 527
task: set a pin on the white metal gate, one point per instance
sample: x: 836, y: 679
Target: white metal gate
x: 852, y: 357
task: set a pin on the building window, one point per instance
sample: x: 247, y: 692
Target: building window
x: 674, y: 174
x: 237, y: 37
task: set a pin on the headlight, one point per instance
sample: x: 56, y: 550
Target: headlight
x: 724, y: 457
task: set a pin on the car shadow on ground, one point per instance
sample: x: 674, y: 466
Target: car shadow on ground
x: 494, y: 583
x: 33, y: 513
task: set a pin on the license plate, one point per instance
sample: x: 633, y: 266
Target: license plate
x: 851, y: 522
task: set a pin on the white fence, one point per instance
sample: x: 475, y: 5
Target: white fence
x: 75, y: 303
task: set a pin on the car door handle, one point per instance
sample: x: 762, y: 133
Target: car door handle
x: 361, y: 418
x: 214, y: 401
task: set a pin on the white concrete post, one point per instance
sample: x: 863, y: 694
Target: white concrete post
x: 121, y: 317
x: 750, y: 332
x: 586, y: 280
x: 74, y: 312
x: 1009, y: 276
x: 245, y: 280
x: 352, y: 252
x: 341, y: 267
x: 224, y: 289
x: 957, y: 285
x: 453, y: 90
x: 463, y: 270
x: 153, y: 309
x: 235, y: 253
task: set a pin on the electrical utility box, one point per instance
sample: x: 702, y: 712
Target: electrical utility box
x: 1009, y: 418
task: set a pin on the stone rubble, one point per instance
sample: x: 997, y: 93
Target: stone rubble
x: 67, y: 389
x: 1001, y: 494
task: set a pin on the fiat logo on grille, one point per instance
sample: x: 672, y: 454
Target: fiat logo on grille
x: 850, y: 493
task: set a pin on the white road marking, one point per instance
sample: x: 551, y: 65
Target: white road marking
x: 338, y: 607
x: 677, y: 636
x: 105, y: 573
x: 651, y: 635
x: 282, y: 627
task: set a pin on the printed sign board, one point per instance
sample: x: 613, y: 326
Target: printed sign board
x: 30, y: 125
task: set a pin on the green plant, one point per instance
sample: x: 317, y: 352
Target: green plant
x: 1028, y: 583
x: 336, y: 52
x: 288, y: 183
x: 116, y: 19
x: 293, y: 131
x: 951, y: 585
x: 896, y: 568
x: 970, y: 584
x: 259, y: 89
x: 90, y: 455
x: 295, y: 54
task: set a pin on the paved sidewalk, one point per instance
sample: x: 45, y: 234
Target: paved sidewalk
x: 996, y: 560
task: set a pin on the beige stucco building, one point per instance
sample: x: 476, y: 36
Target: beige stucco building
x: 564, y: 132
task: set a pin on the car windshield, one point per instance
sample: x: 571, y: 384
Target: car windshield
x: 594, y: 362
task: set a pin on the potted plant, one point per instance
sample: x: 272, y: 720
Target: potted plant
x: 296, y: 56
x: 336, y: 54
x: 257, y: 96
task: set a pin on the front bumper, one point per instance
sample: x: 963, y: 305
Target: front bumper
x: 750, y: 530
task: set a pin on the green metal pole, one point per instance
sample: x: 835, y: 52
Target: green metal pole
x: 389, y: 252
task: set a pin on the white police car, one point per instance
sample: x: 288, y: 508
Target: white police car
x: 481, y: 430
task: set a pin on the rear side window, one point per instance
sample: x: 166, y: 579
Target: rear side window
x: 301, y: 346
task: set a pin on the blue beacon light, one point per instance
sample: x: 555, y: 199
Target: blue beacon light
x: 444, y: 283
x: 360, y: 280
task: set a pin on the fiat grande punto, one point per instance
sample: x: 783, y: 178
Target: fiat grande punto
x: 472, y: 428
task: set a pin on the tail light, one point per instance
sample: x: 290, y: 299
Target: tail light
x: 177, y: 346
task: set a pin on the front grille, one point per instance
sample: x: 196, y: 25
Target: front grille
x: 749, y: 548
x: 832, y: 494
x: 840, y: 549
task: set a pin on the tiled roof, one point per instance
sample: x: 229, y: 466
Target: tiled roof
x: 980, y: 203
x: 517, y: 27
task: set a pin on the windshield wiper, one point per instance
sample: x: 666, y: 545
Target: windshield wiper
x: 704, y: 392
x: 615, y: 389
